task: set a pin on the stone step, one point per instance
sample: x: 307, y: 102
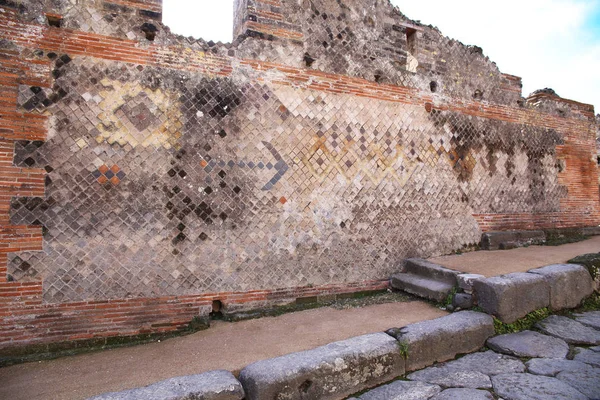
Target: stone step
x: 418, y: 285
x: 426, y: 269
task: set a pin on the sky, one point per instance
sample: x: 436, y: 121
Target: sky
x: 549, y: 43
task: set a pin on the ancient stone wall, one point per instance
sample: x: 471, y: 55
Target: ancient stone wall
x: 146, y: 174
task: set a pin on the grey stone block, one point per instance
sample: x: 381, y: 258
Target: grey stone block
x: 402, y: 390
x: 213, y: 385
x: 428, y: 269
x: 552, y: 367
x: 493, y: 240
x: 463, y: 394
x: 588, y: 356
x: 443, y: 338
x: 534, y: 387
x: 569, y: 284
x: 424, y: 287
x: 529, y: 344
x: 569, y: 330
x: 510, y: 239
x: 329, y: 372
x: 448, y: 377
x: 587, y: 381
x: 463, y: 300
x: 512, y: 296
x: 590, y: 318
x: 465, y: 281
x: 488, y: 363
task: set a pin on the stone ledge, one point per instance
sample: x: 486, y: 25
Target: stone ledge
x: 569, y: 284
x: 333, y: 371
x: 443, y: 338
x: 512, y: 296
x: 213, y: 385
x: 511, y: 239
x: 505, y: 240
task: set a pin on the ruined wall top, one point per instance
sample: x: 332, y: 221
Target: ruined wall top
x: 368, y: 39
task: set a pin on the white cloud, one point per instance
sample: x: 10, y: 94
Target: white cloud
x: 206, y: 19
x: 543, y: 41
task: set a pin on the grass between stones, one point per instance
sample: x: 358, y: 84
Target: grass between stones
x: 523, y: 324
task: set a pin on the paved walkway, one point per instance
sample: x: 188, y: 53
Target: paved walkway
x: 499, y: 262
x: 229, y: 346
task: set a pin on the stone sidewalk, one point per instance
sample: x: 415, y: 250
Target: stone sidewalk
x: 228, y: 346
x: 499, y: 262
x: 560, y: 362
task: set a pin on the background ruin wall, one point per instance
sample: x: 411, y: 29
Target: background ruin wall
x: 145, y: 175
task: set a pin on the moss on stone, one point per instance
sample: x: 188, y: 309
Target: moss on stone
x: 590, y: 261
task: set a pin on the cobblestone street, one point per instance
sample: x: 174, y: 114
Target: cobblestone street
x: 563, y: 362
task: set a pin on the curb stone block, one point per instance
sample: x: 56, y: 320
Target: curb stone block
x: 443, y: 338
x: 465, y: 281
x: 512, y: 296
x: 511, y: 239
x: 213, y: 385
x: 333, y: 371
x: 569, y: 284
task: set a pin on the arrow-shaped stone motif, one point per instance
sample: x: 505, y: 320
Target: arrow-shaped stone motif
x: 280, y: 166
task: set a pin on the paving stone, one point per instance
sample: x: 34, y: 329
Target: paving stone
x: 512, y: 296
x: 463, y: 394
x: 590, y: 318
x: 402, y: 390
x: 441, y: 339
x: 569, y: 284
x: 450, y: 377
x: 488, y: 363
x: 569, y: 330
x: 529, y: 344
x: 588, y: 356
x: 328, y: 372
x: 551, y: 367
x: 213, y: 385
x: 534, y: 387
x: 587, y: 381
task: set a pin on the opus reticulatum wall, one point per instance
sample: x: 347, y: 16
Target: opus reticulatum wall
x: 145, y: 175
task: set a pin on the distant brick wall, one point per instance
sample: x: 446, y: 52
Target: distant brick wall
x: 141, y: 180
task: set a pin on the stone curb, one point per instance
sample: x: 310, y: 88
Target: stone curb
x: 444, y: 338
x: 504, y: 240
x: 213, y: 385
x: 513, y: 296
x: 569, y: 284
x: 333, y: 371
